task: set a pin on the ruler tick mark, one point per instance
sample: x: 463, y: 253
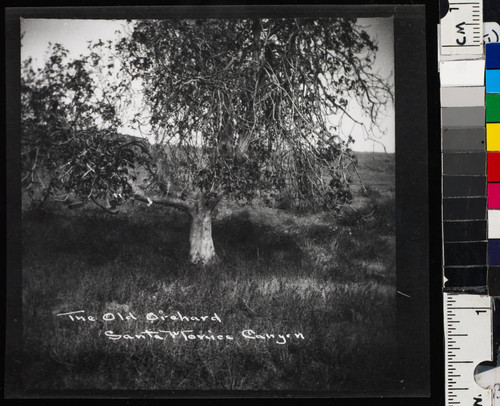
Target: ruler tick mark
x: 470, y: 308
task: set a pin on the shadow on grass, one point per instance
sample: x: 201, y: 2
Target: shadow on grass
x: 239, y: 236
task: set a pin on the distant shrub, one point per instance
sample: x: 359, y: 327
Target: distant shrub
x: 377, y: 211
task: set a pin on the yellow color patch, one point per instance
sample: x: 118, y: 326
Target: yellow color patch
x: 493, y: 136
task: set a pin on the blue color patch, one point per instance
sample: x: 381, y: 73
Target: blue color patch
x: 493, y: 55
x: 493, y: 81
x: 494, y: 252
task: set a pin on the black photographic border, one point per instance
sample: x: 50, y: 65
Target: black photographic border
x: 417, y: 187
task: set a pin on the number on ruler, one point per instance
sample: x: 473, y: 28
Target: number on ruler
x: 461, y: 28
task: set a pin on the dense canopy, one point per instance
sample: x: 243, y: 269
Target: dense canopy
x: 237, y: 108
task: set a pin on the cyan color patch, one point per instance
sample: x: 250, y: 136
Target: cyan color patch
x: 493, y: 81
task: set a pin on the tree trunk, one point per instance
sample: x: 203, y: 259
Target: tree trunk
x: 202, y: 249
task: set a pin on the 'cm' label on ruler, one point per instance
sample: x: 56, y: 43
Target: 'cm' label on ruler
x: 468, y: 342
x: 462, y: 28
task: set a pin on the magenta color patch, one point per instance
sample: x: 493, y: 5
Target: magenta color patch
x: 493, y: 195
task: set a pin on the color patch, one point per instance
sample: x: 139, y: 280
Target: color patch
x: 467, y: 253
x: 463, y: 139
x: 462, y: 96
x: 493, y: 195
x: 473, y: 163
x: 493, y: 108
x: 494, y: 252
x: 493, y: 81
x: 462, y: 117
x: 464, y: 186
x: 493, y: 223
x: 462, y: 73
x: 493, y: 166
x: 493, y: 55
x: 464, y: 209
x: 465, y: 277
x: 457, y: 231
x: 494, y: 281
x: 493, y: 136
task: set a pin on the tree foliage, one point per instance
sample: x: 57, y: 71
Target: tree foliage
x: 236, y: 107
x: 69, y: 133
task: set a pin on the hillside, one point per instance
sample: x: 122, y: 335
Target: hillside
x: 377, y: 171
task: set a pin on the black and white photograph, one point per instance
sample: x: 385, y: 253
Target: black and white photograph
x: 208, y: 203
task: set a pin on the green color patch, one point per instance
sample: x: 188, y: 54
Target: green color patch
x: 492, y: 108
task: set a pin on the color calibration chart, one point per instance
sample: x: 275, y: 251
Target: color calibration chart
x: 493, y: 163
x: 469, y: 67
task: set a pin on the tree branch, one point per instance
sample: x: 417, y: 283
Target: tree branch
x: 110, y: 211
x: 212, y: 204
x: 138, y: 144
x: 165, y: 201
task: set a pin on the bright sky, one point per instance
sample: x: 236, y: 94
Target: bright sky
x: 74, y: 35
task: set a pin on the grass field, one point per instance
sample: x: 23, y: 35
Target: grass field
x: 327, y: 281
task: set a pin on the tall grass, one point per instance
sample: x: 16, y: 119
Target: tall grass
x: 278, y: 273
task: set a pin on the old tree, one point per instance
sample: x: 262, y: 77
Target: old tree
x: 234, y: 108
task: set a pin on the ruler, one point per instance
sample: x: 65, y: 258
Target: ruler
x: 468, y: 342
x: 462, y: 28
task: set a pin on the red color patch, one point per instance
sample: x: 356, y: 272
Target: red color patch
x: 493, y: 166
